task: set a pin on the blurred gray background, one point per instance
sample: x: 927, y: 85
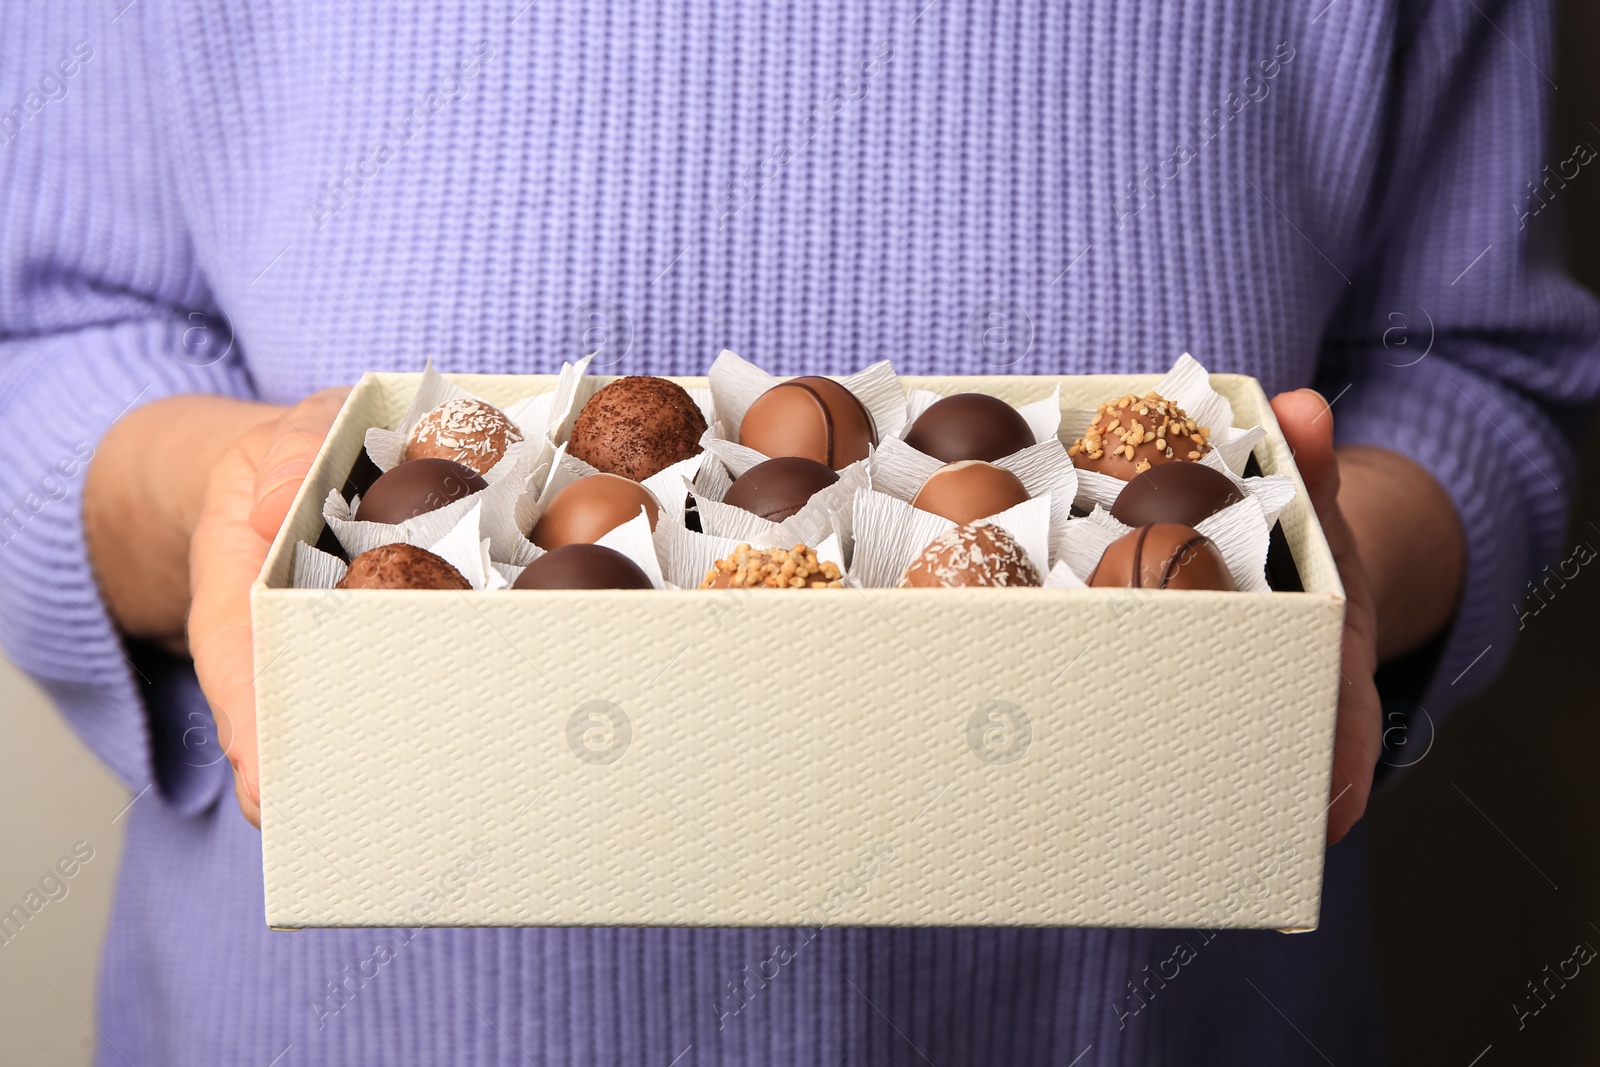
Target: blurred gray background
x: 1474, y: 897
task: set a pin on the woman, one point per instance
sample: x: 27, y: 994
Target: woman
x: 214, y: 215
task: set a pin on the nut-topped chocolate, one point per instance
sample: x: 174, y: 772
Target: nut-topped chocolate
x: 1131, y: 434
x: 401, y: 566
x: 980, y: 555
x: 637, y: 426
x: 812, y: 417
x: 970, y: 490
x: 1163, y: 555
x: 777, y: 488
x: 970, y: 426
x: 773, y: 568
x: 466, y: 431
x: 1187, y: 493
x: 586, y: 510
x: 416, y: 487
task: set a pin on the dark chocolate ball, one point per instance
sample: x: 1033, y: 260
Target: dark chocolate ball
x: 637, y: 426
x: 777, y: 488
x: 400, y: 566
x: 1186, y: 493
x: 970, y: 490
x: 1163, y: 555
x: 814, y: 418
x: 589, y: 508
x: 970, y: 426
x: 583, y: 567
x: 417, y: 487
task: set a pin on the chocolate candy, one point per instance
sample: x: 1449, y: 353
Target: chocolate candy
x: 773, y: 568
x: 1131, y: 434
x: 401, y: 566
x: 970, y: 490
x: 582, y: 567
x: 970, y: 426
x: 589, y: 508
x: 974, y: 555
x: 417, y: 487
x: 777, y: 488
x: 1185, y: 493
x: 637, y: 426
x: 815, y: 418
x: 1164, y: 555
x: 469, y: 432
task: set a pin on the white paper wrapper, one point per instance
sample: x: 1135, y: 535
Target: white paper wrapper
x: 1189, y: 385
x: 460, y: 545
x: 1043, y: 416
x: 1240, y: 532
x: 633, y: 539
x: 736, y: 383
x: 890, y: 533
x: 827, y: 514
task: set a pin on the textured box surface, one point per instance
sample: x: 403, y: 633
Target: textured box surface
x: 866, y: 757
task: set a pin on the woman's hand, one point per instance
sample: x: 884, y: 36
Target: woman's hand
x: 246, y: 500
x: 1399, y: 590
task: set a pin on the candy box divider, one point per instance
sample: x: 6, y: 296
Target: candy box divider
x: 794, y: 759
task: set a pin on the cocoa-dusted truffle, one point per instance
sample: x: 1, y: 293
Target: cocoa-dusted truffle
x: 469, y: 432
x: 583, y: 567
x: 1131, y: 434
x: 401, y: 566
x: 815, y: 418
x: 417, y: 487
x: 970, y: 426
x: 1164, y: 555
x: 974, y: 555
x: 777, y: 488
x: 589, y: 508
x: 773, y: 568
x: 1187, y: 493
x: 970, y: 490
x: 637, y: 426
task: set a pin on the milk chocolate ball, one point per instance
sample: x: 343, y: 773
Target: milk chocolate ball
x: 417, y: 487
x: 814, y: 418
x: 980, y: 555
x: 401, y: 566
x: 583, y: 567
x: 970, y: 490
x: 589, y: 508
x: 469, y: 432
x: 1163, y: 555
x: 637, y: 426
x: 777, y: 488
x: 1131, y: 434
x: 970, y: 426
x: 1186, y: 493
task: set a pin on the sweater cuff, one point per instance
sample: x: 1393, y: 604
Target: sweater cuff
x: 1483, y: 444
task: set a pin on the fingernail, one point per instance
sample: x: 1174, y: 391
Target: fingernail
x: 1318, y: 394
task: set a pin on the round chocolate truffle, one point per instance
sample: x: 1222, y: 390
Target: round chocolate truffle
x: 401, y: 566
x: 1186, y: 493
x: 417, y: 487
x: 970, y: 426
x: 582, y: 567
x: 773, y: 568
x: 1131, y: 434
x: 970, y: 490
x: 469, y: 432
x: 589, y: 508
x: 637, y: 426
x: 975, y: 555
x: 815, y: 418
x: 1163, y: 555
x: 777, y: 488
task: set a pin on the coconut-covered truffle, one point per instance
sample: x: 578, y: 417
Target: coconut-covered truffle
x: 1131, y: 434
x: 1163, y: 555
x: 637, y: 426
x: 974, y: 555
x: 773, y: 568
x: 401, y: 566
x: 465, y: 431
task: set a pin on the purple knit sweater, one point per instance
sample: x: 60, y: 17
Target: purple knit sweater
x: 265, y: 197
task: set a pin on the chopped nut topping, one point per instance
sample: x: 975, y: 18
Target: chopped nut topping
x: 1164, y: 423
x: 775, y: 568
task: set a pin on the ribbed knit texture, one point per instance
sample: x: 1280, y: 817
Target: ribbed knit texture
x: 1285, y: 190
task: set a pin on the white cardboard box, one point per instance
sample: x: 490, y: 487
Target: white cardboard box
x: 871, y: 757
